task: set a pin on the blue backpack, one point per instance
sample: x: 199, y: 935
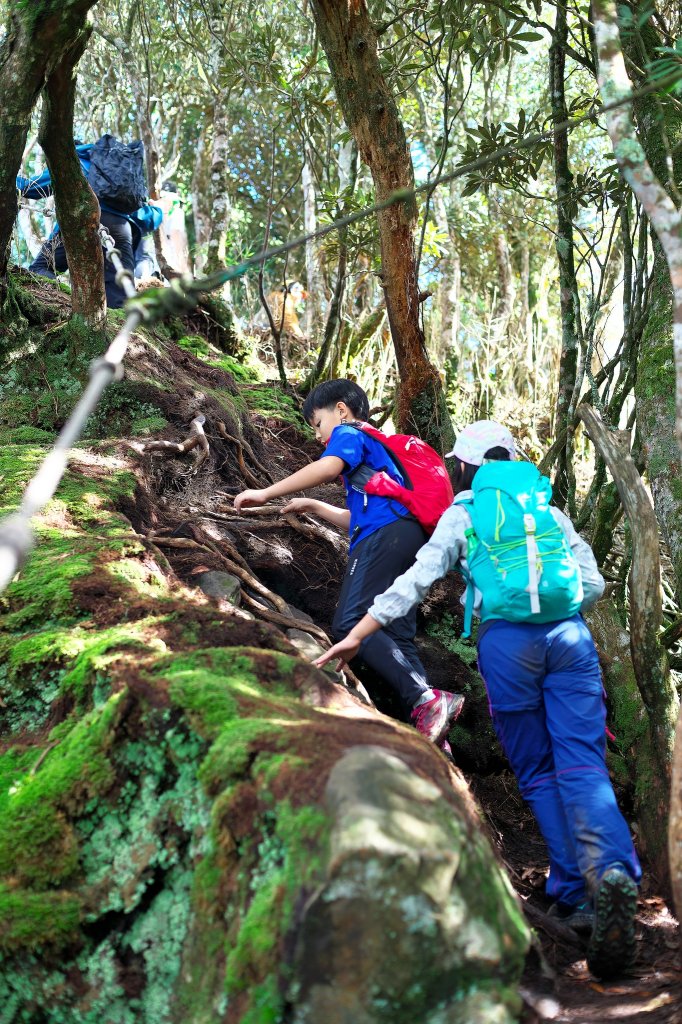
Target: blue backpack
x: 116, y: 174
x: 518, y: 555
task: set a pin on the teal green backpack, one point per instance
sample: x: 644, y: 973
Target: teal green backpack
x: 518, y: 556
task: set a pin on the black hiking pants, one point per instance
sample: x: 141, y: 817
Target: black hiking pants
x: 51, y: 260
x: 373, y: 566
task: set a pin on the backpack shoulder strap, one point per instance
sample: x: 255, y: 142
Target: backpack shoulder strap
x: 380, y: 438
x: 470, y: 534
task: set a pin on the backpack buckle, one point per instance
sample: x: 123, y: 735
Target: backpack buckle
x: 529, y: 523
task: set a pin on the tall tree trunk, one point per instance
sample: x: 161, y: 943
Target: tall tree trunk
x: 37, y: 35
x: 646, y: 179
x: 219, y: 199
x: 218, y: 179
x: 369, y: 109
x: 659, y: 119
x: 77, y: 207
x: 650, y: 662
x: 314, y: 302
x: 505, y: 281
x: 564, y: 484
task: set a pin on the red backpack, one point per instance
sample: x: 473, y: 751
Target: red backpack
x: 427, y: 491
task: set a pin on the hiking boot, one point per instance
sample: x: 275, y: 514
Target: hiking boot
x: 432, y: 718
x: 455, y: 704
x: 612, y: 945
x: 578, y: 916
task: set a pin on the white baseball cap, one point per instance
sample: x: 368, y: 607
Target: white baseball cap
x: 478, y: 438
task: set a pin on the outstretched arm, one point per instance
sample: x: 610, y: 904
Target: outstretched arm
x: 331, y: 513
x: 323, y: 471
x: 347, y: 648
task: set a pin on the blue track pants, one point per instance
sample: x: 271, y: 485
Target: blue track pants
x: 547, y: 705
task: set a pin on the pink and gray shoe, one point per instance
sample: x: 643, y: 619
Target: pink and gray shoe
x: 432, y: 717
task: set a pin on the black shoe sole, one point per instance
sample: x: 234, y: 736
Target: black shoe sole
x: 612, y: 946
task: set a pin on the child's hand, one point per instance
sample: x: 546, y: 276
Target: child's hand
x: 345, y: 651
x: 295, y: 505
x: 250, y: 499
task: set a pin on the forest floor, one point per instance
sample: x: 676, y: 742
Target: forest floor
x: 557, y: 985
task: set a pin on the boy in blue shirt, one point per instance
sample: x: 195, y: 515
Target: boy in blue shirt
x: 384, y: 539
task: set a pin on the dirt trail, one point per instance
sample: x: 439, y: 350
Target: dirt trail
x: 562, y: 989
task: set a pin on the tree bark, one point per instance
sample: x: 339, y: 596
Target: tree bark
x: 36, y: 38
x: 564, y: 483
x: 314, y: 285
x: 649, y: 660
x: 657, y: 379
x: 675, y: 824
x: 218, y: 197
x: 633, y: 763
x: 369, y: 109
x: 77, y: 207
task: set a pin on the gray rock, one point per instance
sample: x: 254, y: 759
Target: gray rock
x: 220, y: 584
x: 296, y: 613
x: 305, y: 644
x: 415, y: 920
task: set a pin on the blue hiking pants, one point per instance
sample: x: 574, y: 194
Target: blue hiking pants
x: 547, y: 705
x: 373, y: 565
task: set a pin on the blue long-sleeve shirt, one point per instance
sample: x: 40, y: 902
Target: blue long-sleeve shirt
x: 144, y: 220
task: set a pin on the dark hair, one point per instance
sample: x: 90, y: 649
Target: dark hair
x: 464, y: 472
x: 169, y: 186
x: 327, y: 394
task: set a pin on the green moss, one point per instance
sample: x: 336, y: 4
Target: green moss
x: 25, y: 435
x: 272, y: 402
x: 248, y: 372
x: 284, y: 863
x: 29, y: 920
x: 195, y: 344
x: 42, y: 391
x: 123, y: 404
x: 37, y: 844
x: 148, y: 425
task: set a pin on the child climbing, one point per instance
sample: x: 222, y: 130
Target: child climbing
x: 384, y: 539
x: 530, y: 575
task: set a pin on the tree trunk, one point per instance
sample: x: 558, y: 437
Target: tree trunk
x: 314, y: 302
x: 218, y: 180
x: 36, y: 38
x: 219, y: 199
x: 564, y: 484
x: 350, y: 42
x: 675, y: 824
x: 649, y: 660
x: 633, y: 764
x: 657, y: 380
x: 77, y: 207
x: 348, y: 174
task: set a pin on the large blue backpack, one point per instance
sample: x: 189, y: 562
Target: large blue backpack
x: 116, y: 174
x: 517, y: 554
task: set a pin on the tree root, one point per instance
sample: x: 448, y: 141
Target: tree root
x: 196, y: 437
x: 243, y: 446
